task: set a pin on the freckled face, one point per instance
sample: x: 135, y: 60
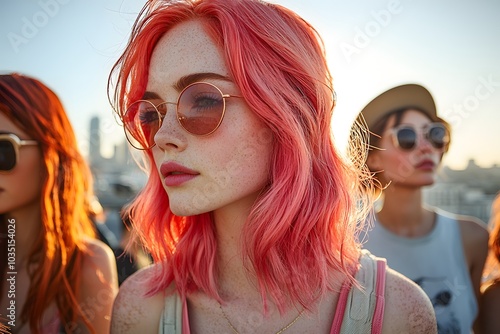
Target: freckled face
x: 416, y: 167
x: 22, y: 186
x: 227, y: 168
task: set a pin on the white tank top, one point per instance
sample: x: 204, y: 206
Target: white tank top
x: 357, y: 311
x: 436, y: 262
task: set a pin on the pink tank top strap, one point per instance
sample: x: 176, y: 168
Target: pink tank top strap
x: 339, y: 311
x: 185, y: 318
x: 361, y: 310
x: 378, y: 315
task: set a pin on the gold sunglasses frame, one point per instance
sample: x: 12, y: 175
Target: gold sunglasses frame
x: 179, y: 119
x: 16, y: 143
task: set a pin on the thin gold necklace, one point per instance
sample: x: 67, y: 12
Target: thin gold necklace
x: 278, y: 332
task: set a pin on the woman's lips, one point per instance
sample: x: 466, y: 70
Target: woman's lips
x: 175, y: 174
x: 426, y: 165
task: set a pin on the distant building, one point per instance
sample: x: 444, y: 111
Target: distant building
x: 468, y: 192
x: 117, y: 179
x: 95, y: 141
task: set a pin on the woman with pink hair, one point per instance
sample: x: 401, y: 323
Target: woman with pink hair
x: 250, y: 213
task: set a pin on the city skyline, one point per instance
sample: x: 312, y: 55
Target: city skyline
x: 123, y: 152
x: 469, y: 191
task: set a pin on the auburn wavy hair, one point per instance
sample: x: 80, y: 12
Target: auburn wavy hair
x: 303, y: 225
x: 55, y: 259
x: 491, y: 273
x: 495, y: 233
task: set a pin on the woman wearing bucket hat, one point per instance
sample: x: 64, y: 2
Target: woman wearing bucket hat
x: 441, y: 252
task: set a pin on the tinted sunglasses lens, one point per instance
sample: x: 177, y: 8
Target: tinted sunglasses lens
x: 438, y: 136
x: 7, y: 155
x: 200, y: 108
x: 407, y: 138
x: 141, y: 122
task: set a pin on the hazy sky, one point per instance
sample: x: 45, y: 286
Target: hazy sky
x: 450, y: 46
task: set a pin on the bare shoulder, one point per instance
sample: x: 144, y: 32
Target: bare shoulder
x: 133, y: 312
x: 473, y: 230
x: 99, y: 255
x: 490, y: 304
x: 475, y: 235
x: 407, y: 307
x: 99, y: 263
x: 491, y: 297
x: 99, y: 284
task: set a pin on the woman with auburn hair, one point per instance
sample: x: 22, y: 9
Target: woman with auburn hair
x: 58, y: 277
x: 490, y: 289
x: 443, y: 253
x: 249, y: 212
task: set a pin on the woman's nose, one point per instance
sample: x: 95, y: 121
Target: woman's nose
x: 424, y: 143
x: 170, y: 133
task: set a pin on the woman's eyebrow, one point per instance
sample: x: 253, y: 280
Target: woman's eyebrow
x: 150, y: 96
x: 185, y: 81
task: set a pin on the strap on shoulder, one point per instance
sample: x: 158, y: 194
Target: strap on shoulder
x: 171, y: 318
x: 378, y: 314
x: 364, y: 311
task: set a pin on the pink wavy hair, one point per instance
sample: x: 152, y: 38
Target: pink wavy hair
x: 304, y: 224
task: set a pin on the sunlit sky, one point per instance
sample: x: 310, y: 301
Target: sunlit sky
x: 450, y: 46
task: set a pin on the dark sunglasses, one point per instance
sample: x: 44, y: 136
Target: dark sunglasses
x: 9, y: 150
x: 200, y: 110
x: 406, y: 136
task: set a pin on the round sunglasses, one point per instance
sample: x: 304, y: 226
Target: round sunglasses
x: 9, y: 150
x: 406, y: 136
x: 200, y: 109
